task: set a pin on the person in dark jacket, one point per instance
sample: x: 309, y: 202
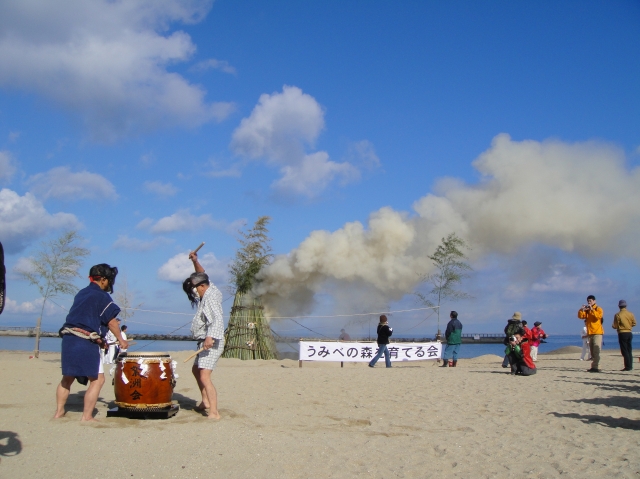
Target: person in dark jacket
x: 514, y: 326
x: 454, y: 339
x: 384, y: 331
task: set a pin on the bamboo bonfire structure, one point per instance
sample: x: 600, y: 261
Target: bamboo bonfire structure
x: 248, y: 334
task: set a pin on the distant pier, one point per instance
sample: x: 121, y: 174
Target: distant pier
x: 480, y: 338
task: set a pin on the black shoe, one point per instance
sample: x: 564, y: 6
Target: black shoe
x: 593, y: 370
x: 627, y: 369
x: 370, y: 366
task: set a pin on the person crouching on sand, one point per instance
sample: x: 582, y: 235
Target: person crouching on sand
x: 519, y: 353
x: 384, y: 331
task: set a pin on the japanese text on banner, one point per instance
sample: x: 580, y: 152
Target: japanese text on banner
x: 360, y: 352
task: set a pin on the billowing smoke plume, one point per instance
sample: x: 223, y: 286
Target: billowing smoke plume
x: 575, y: 197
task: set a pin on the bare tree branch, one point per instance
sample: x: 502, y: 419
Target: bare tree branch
x: 451, y: 268
x: 53, y: 269
x: 252, y: 256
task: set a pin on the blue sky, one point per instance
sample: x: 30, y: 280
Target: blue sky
x: 154, y: 125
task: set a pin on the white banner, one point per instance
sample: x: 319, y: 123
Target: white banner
x: 360, y: 352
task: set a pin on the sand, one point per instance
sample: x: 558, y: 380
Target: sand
x: 414, y: 420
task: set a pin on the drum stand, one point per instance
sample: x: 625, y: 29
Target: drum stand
x: 144, y: 413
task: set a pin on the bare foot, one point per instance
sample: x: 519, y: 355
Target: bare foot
x: 215, y: 417
x: 200, y: 407
x: 59, y: 414
x: 89, y: 420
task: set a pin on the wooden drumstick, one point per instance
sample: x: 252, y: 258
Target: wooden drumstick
x: 198, y: 248
x: 194, y: 354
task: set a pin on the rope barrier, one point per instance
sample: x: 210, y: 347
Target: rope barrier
x: 185, y: 324
x: 291, y: 318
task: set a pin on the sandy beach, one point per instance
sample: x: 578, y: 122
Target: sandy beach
x: 321, y: 420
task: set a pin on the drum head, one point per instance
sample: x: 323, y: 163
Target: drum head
x: 144, y: 355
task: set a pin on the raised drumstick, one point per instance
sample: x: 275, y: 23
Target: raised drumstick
x: 194, y: 354
x: 198, y: 248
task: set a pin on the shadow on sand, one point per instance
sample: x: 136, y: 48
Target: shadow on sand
x: 608, y: 421
x: 10, y: 444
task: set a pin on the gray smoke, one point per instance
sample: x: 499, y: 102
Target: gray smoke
x: 578, y: 198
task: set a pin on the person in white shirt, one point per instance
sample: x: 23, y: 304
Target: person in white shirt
x: 123, y: 332
x: 585, y: 345
x: 112, y: 343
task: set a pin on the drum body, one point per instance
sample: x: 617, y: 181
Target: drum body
x: 144, y: 380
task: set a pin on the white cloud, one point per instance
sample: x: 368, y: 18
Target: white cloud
x: 279, y: 127
x: 279, y: 130
x: 13, y: 136
x: 183, y: 220
x: 61, y: 183
x: 148, y: 159
x: 7, y: 166
x: 234, y: 171
x: 160, y: 189
x: 579, y: 199
x: 363, y: 153
x: 179, y: 267
x: 313, y: 175
x: 29, y: 307
x: 23, y: 264
x: 24, y: 219
x: 134, y: 244
x: 213, y: 64
x: 107, y: 61
x: 561, y: 282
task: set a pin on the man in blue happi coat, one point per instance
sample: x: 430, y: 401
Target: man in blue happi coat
x: 93, y: 313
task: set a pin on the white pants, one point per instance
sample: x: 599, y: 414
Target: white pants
x: 101, y: 368
x: 534, y: 353
x: 585, y: 350
x: 108, y: 357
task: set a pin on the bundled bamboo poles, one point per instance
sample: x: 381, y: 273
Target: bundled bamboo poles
x: 248, y: 334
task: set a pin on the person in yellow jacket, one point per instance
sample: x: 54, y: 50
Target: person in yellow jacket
x: 592, y: 315
x: 624, y: 321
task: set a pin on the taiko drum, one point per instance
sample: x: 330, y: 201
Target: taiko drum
x: 144, y: 380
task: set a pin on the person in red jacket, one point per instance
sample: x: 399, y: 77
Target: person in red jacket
x: 519, y: 352
x: 535, y: 336
x: 527, y: 331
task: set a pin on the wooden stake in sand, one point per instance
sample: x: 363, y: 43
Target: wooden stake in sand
x: 194, y: 354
